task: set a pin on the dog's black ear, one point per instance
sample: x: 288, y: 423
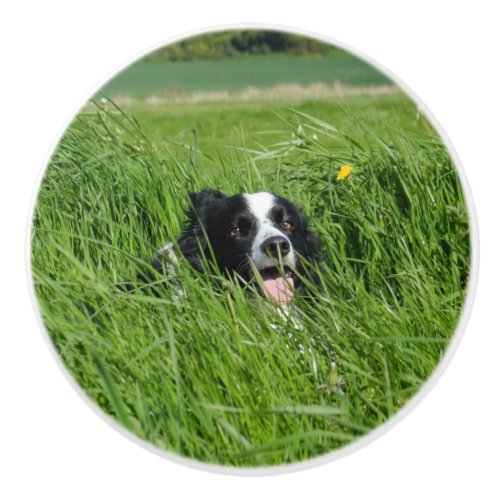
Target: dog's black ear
x: 202, y: 201
x: 192, y: 241
x: 313, y: 243
x: 314, y: 256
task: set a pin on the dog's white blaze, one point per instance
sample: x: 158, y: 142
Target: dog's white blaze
x: 260, y: 204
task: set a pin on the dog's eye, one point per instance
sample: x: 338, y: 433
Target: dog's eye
x: 233, y: 232
x: 287, y: 225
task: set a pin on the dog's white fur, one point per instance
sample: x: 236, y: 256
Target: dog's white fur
x: 260, y: 204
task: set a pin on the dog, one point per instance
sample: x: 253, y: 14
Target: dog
x: 258, y: 238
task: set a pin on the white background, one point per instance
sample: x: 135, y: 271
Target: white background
x: 53, y: 55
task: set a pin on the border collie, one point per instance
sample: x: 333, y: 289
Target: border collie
x: 258, y: 237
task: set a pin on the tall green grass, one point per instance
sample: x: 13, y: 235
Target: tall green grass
x: 218, y: 376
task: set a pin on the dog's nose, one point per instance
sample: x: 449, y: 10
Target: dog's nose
x: 276, y: 246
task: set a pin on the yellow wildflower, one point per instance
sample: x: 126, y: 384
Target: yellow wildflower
x: 345, y: 171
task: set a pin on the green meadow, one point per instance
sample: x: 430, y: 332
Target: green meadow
x: 156, y: 77
x: 219, y: 376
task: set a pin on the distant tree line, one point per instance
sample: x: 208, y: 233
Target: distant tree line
x: 241, y: 43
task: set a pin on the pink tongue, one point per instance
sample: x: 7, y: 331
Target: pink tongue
x: 277, y: 287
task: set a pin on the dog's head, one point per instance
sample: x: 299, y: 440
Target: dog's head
x: 248, y: 235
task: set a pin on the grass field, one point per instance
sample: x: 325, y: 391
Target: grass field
x: 145, y: 78
x: 212, y: 378
x: 216, y: 128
